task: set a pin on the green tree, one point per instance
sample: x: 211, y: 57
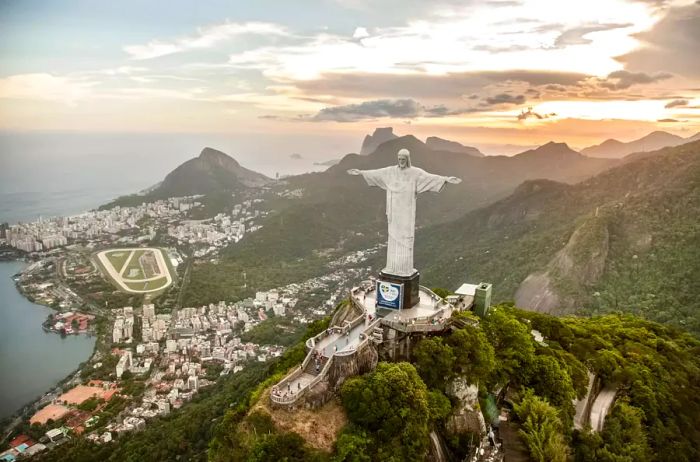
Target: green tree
x: 391, y: 403
x: 541, y: 429
x: 512, y: 343
x: 354, y: 445
x: 550, y: 380
x: 441, y: 292
x: 624, y: 437
x: 284, y: 447
x: 439, y: 406
x: 434, y: 361
x: 474, y: 355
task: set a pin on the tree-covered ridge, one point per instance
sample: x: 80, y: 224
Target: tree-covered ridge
x: 656, y: 370
x: 392, y: 410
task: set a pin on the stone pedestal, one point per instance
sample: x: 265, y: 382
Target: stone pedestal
x: 410, y: 294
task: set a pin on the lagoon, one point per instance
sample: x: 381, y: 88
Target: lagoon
x: 31, y: 360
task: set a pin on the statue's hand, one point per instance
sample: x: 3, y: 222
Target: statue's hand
x: 454, y: 180
x: 354, y: 171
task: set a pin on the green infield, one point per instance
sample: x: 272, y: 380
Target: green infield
x: 133, y: 269
x: 136, y: 270
x: 118, y: 258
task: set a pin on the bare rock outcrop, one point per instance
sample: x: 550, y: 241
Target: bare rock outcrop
x: 466, y: 417
x: 574, y: 268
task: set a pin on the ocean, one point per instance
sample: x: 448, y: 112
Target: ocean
x: 49, y: 174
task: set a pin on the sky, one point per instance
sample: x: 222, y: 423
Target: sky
x: 321, y: 74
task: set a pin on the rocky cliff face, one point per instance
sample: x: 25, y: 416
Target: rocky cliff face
x: 363, y: 361
x: 439, y: 144
x: 467, y: 417
x: 578, y: 265
x: 372, y: 142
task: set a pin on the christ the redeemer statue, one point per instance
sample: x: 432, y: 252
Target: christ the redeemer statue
x: 402, y: 183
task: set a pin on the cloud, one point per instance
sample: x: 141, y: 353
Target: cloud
x: 621, y: 80
x: 524, y: 115
x: 505, y: 98
x: 423, y: 86
x: 672, y: 44
x: 577, y: 35
x: 677, y: 103
x: 461, y: 38
x: 360, y: 33
x: 391, y: 108
x: 42, y: 86
x: 206, y: 37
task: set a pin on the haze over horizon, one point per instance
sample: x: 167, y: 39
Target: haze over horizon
x: 315, y: 79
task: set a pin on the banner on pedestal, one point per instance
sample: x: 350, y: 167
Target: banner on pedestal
x: 389, y: 295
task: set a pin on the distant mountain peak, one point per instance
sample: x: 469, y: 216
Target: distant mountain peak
x: 212, y: 171
x: 372, y: 142
x: 440, y: 144
x: 550, y: 148
x: 614, y: 149
x: 214, y: 155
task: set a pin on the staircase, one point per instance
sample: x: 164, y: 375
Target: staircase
x: 311, y: 366
x: 377, y: 335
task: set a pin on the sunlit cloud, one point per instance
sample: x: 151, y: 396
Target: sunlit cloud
x: 560, y: 36
x: 43, y: 86
x: 525, y: 65
x: 206, y: 37
x: 647, y: 110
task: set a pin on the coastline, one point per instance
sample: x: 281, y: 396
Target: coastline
x: 47, y: 394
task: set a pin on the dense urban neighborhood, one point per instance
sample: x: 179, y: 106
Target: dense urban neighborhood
x: 152, y: 358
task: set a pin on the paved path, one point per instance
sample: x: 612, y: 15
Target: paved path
x: 338, y: 342
x: 601, y: 406
x: 580, y: 419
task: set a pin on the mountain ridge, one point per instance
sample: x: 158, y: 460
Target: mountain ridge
x: 615, y: 149
x: 631, y: 234
x: 440, y: 144
x: 211, y: 172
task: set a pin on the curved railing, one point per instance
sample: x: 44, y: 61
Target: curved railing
x: 293, y: 397
x: 435, y: 322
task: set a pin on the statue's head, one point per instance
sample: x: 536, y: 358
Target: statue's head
x: 404, y: 158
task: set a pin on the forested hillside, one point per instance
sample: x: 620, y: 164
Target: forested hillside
x: 393, y: 410
x: 626, y: 240
x: 338, y: 213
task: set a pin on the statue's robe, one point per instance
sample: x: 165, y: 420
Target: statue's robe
x: 402, y: 186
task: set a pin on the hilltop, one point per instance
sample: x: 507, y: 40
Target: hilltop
x: 212, y: 172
